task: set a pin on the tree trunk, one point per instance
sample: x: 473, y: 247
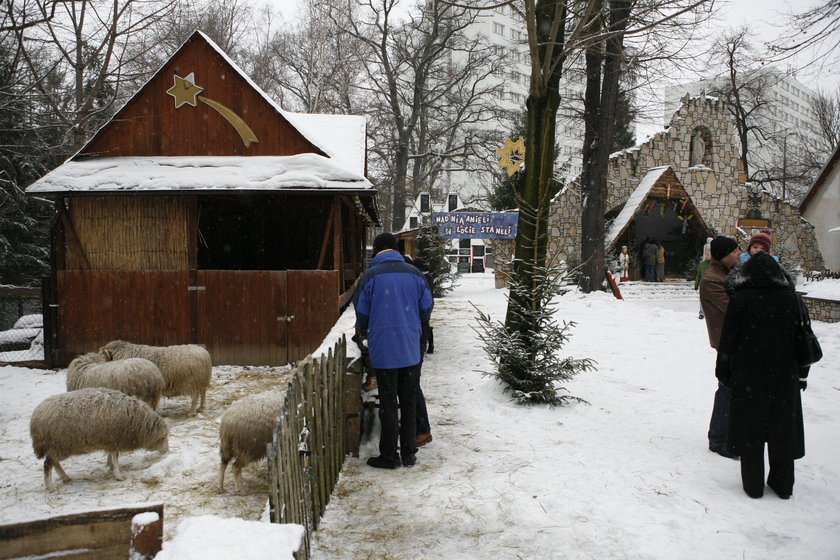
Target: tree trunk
x: 535, y: 197
x: 600, y: 124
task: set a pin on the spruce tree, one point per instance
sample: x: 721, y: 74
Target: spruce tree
x: 431, y: 247
x: 532, y: 368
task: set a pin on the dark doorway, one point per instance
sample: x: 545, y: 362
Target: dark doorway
x: 683, y: 241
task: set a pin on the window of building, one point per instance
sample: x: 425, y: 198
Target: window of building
x: 452, y: 202
x: 498, y: 28
x: 425, y: 204
x: 412, y: 222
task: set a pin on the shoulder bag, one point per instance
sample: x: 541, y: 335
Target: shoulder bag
x: 808, y: 349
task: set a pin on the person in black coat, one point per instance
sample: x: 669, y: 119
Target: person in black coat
x: 756, y: 358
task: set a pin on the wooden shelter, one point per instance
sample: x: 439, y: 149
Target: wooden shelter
x: 660, y: 208
x: 205, y: 213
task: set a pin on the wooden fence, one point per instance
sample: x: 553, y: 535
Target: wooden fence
x: 309, y: 443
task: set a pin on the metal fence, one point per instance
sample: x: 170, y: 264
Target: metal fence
x: 21, y: 325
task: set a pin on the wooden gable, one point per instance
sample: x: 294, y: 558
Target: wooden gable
x: 219, y: 112
x: 661, y: 185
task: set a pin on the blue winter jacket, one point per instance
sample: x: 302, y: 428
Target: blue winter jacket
x: 391, y: 300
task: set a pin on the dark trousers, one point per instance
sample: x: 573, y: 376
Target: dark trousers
x: 752, y: 471
x: 650, y: 274
x: 397, y: 394
x: 719, y: 424
x: 423, y: 426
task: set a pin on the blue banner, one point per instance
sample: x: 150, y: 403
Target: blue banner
x: 476, y: 225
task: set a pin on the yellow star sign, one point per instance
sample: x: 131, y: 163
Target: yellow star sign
x: 184, y: 91
x: 513, y: 155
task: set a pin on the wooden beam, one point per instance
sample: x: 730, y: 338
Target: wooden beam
x: 96, y: 534
x: 326, y: 239
x: 73, y: 237
x: 338, y: 246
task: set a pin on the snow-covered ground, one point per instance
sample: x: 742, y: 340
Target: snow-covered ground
x: 627, y: 476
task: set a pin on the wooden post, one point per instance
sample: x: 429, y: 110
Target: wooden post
x: 146, y: 536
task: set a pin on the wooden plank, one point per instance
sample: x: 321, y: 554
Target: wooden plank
x: 102, y: 534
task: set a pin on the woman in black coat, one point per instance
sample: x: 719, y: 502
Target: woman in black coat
x: 756, y: 358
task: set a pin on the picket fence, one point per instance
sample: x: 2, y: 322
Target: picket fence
x: 310, y: 441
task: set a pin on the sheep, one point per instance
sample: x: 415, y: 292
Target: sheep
x: 186, y: 368
x: 137, y: 377
x: 93, y: 419
x: 246, y: 429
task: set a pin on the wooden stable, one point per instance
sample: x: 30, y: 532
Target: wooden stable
x: 204, y: 213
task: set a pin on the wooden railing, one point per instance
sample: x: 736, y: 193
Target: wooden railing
x: 309, y: 442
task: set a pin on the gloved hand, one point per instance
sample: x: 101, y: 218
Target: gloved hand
x: 803, y: 384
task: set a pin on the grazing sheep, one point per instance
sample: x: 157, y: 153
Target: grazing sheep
x: 137, y: 377
x: 246, y: 429
x: 93, y: 419
x: 186, y: 368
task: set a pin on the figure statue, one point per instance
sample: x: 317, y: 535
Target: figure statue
x: 698, y: 149
x: 623, y: 265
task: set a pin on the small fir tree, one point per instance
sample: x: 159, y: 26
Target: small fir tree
x: 431, y: 247
x: 532, y: 367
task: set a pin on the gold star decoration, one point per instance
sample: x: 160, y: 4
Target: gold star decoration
x: 185, y: 91
x: 513, y: 155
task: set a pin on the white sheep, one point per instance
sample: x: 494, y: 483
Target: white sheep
x: 187, y: 368
x: 93, y: 419
x: 246, y: 429
x: 137, y: 377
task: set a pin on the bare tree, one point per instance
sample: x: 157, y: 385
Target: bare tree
x: 78, y: 58
x: 430, y: 87
x: 816, y: 29
x: 228, y: 23
x: 315, y: 66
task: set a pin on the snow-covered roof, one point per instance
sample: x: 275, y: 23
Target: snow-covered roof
x: 193, y: 173
x: 634, y: 203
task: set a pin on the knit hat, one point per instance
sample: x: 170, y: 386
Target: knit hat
x: 384, y: 241
x: 722, y: 246
x: 763, y: 238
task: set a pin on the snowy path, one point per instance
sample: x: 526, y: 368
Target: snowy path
x: 628, y: 476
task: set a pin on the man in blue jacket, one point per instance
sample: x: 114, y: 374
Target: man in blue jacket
x: 391, y: 301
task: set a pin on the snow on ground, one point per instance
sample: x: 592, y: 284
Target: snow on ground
x: 824, y: 289
x: 184, y: 480
x: 627, y: 476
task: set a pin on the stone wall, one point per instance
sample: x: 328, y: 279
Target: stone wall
x: 827, y: 310
x: 701, y: 146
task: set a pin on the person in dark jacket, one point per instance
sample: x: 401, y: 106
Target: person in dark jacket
x: 392, y: 300
x: 424, y: 427
x: 714, y: 300
x: 756, y: 358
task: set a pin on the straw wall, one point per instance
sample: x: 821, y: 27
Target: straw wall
x: 131, y: 232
